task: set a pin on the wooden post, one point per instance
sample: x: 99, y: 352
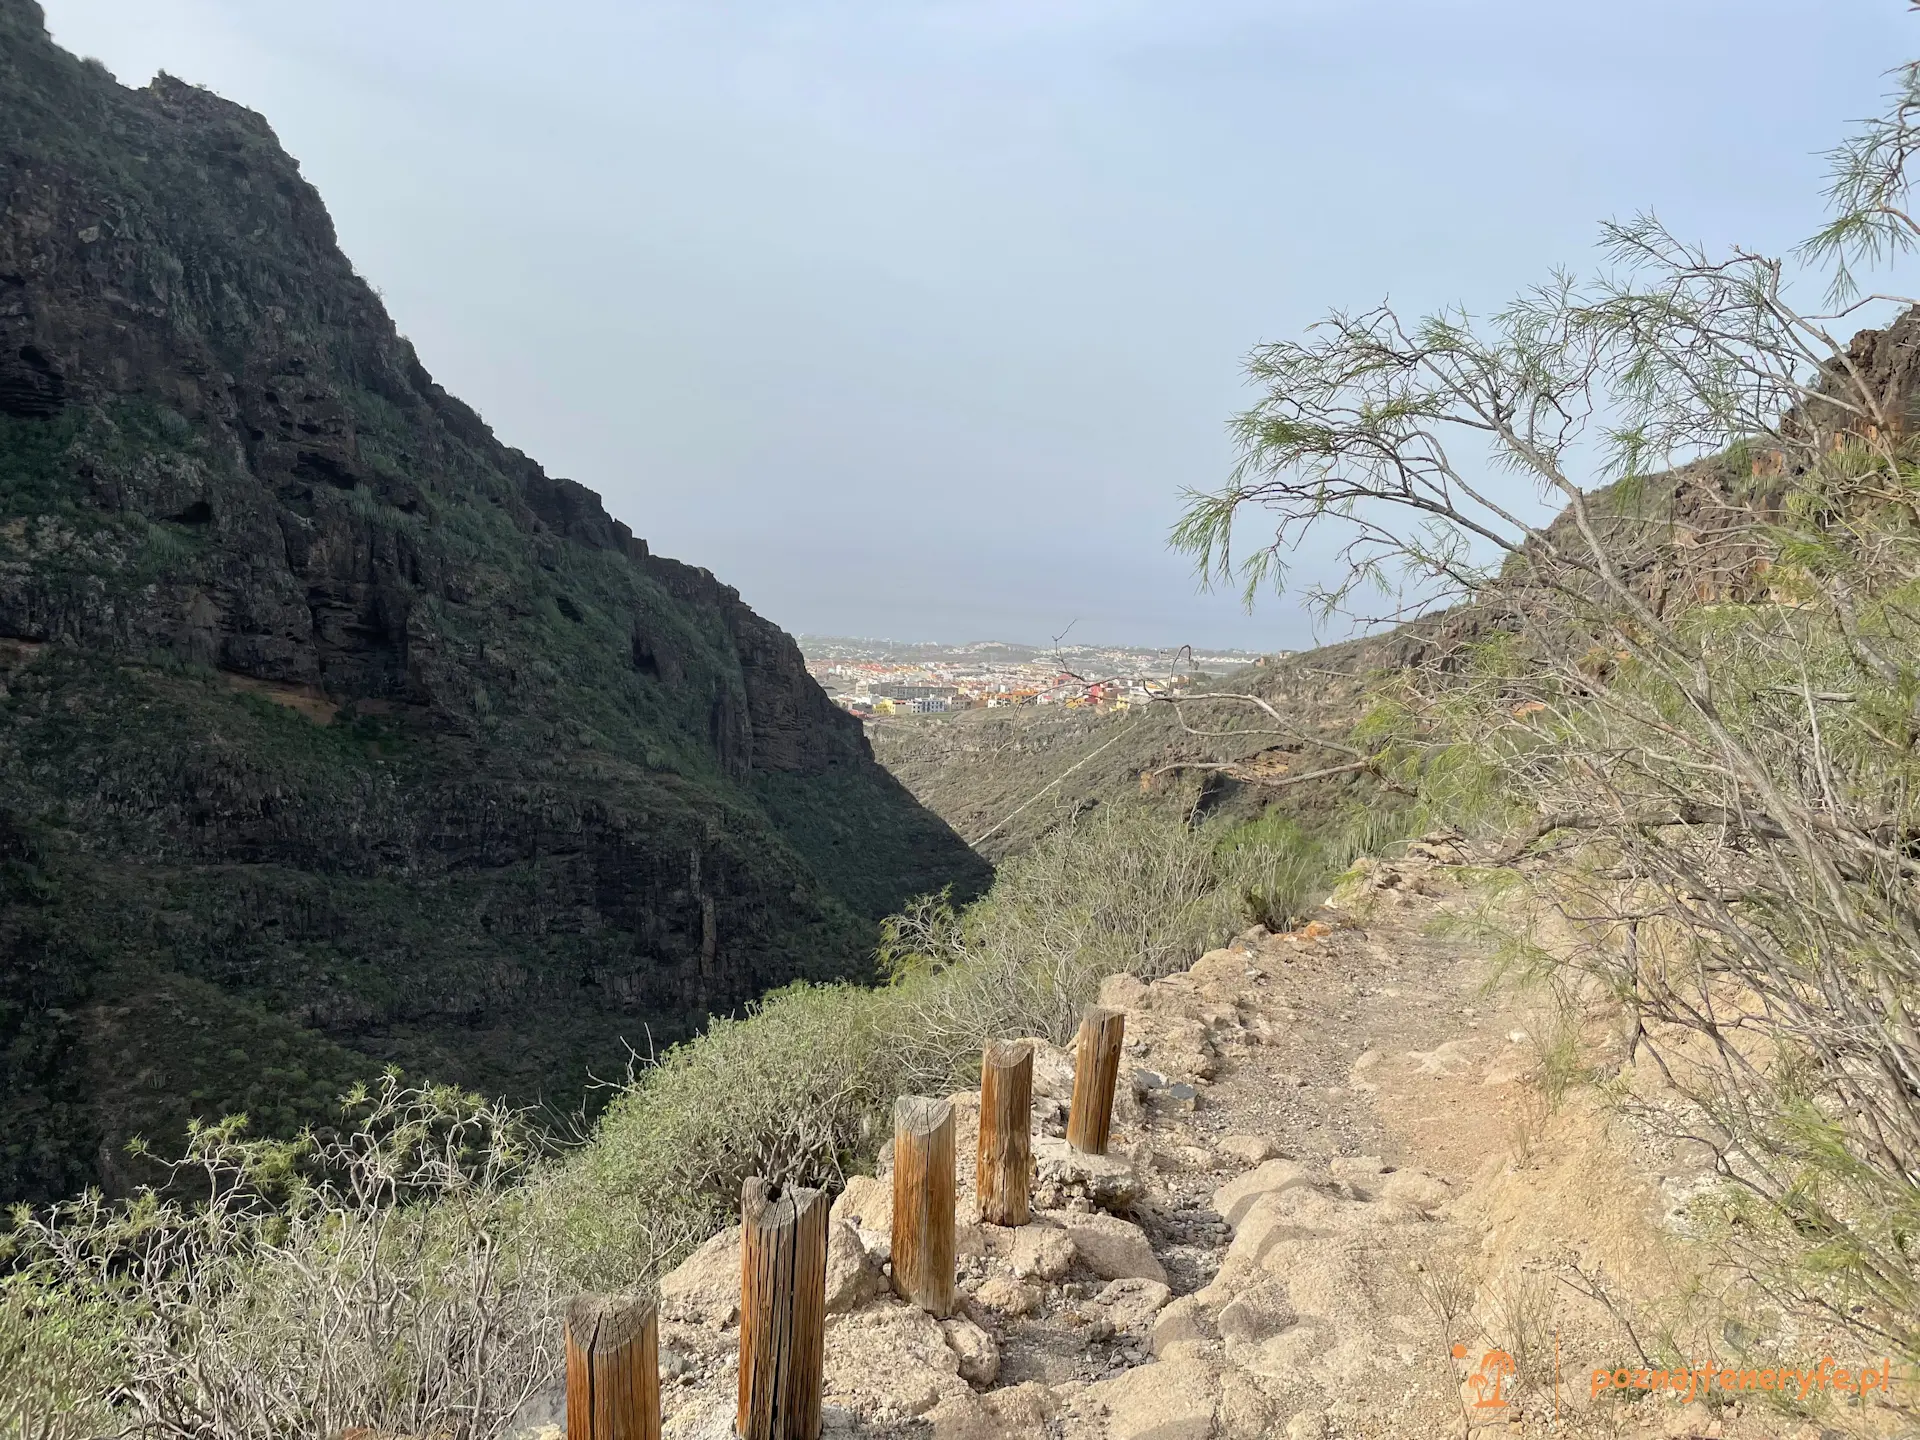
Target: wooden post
x: 1096, y: 1068
x: 923, y: 1185
x: 1005, y: 1164
x: 783, y: 1311
x: 613, y: 1369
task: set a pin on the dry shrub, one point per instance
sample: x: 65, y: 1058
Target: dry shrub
x: 1123, y: 889
x: 1739, y: 882
x: 388, y: 1276
x: 1693, y: 711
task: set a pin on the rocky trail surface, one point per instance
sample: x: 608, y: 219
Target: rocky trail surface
x: 1334, y: 1192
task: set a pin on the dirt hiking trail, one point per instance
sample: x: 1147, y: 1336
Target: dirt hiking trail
x: 1337, y: 1204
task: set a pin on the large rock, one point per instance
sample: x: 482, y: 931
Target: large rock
x: 1415, y: 1189
x: 963, y: 1417
x: 866, y: 1204
x: 1267, y: 1223
x: 1123, y: 992
x: 979, y: 1353
x: 1247, y: 1149
x: 1011, y: 1295
x: 1362, y: 1172
x: 1114, y: 1249
x: 1333, y: 1277
x: 1180, y: 1049
x: 704, y: 1289
x: 1041, y: 1251
x: 1299, y: 1226
x: 1223, y: 976
x: 1244, y: 1411
x: 890, y: 1359
x: 1284, y: 1356
x: 1234, y: 1199
x: 852, y: 1276
x: 1183, y: 1322
x: 1018, y: 1412
x: 1062, y: 1174
x: 1167, y: 1400
x: 1256, y: 1314
x: 1052, y: 1070
x: 1131, y: 1305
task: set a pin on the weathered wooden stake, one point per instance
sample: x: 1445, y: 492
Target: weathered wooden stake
x: 923, y: 1185
x: 613, y: 1369
x: 783, y: 1311
x: 1005, y: 1164
x: 1096, y: 1068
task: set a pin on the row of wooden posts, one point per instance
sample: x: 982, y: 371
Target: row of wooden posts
x: 613, y: 1344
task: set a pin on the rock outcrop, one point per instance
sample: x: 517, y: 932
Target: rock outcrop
x: 333, y: 731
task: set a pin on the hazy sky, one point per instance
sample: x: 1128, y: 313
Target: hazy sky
x: 913, y: 317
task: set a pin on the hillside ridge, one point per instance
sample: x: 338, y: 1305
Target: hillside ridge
x: 1692, y: 535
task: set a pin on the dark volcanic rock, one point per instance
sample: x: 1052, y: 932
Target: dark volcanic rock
x: 333, y: 732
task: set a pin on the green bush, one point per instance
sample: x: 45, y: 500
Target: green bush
x: 810, y: 1074
x: 403, y: 1272
x: 1283, y: 867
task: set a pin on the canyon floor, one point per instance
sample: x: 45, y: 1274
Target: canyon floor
x: 1338, y: 1203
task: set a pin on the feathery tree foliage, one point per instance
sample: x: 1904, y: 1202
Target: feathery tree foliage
x: 1697, y: 691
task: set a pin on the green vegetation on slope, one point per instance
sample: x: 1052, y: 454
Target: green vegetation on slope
x: 211, y: 1309
x: 334, y: 733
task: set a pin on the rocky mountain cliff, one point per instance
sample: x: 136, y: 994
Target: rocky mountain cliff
x: 335, y: 733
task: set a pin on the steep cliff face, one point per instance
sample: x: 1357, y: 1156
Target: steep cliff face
x: 333, y: 732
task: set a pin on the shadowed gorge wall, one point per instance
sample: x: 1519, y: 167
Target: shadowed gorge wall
x: 333, y: 732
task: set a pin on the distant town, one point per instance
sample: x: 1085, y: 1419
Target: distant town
x: 886, y: 677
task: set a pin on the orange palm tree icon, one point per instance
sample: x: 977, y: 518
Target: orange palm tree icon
x: 1488, y: 1381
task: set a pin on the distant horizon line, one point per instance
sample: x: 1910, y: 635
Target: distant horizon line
x: 1062, y: 643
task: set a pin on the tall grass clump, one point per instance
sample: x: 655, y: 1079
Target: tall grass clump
x: 1282, y: 865
x: 1122, y: 889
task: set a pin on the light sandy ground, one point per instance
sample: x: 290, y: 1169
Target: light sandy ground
x: 1362, y: 1203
